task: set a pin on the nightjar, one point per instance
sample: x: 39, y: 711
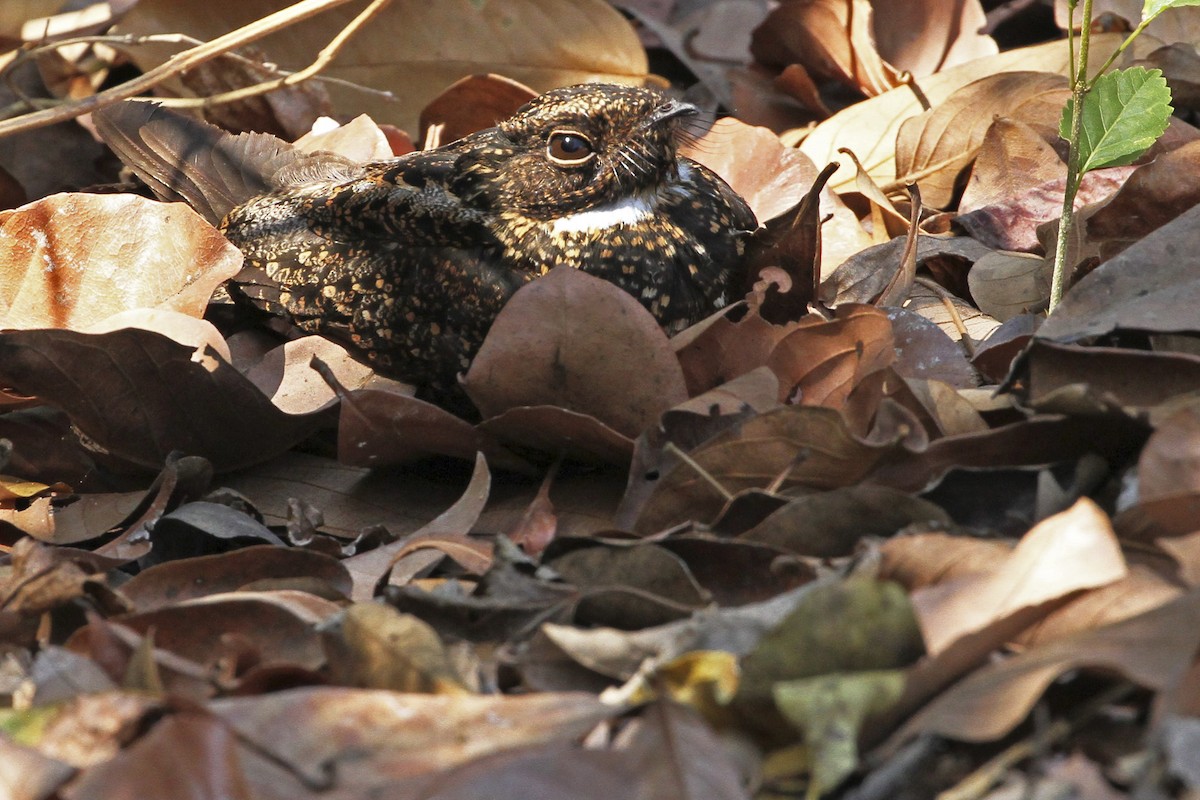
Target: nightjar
x: 408, y: 261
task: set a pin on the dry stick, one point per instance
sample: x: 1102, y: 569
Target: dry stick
x: 181, y: 62
x: 676, y: 451
x: 326, y: 55
x: 117, y: 41
x: 948, y: 301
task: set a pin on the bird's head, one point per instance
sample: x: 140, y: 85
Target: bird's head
x: 575, y: 148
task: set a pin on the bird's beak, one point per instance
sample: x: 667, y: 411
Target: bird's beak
x: 674, y: 109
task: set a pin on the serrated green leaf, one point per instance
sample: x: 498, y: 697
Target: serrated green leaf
x: 1124, y: 113
x: 1152, y: 8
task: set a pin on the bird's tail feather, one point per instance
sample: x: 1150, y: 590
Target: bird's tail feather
x: 181, y: 158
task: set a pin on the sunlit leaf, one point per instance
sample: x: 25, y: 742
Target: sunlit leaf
x: 1124, y: 113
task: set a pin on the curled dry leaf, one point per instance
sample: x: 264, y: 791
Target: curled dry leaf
x: 927, y: 37
x: 286, y: 374
x: 823, y: 361
x: 580, y: 343
x: 185, y: 579
x: 1074, y: 550
x: 771, y: 177
x: 360, y: 140
x: 381, y: 426
x: 71, y: 260
x: 370, y: 567
x: 557, y: 431
x: 716, y: 351
x: 1152, y: 650
x: 831, y: 39
x: 404, y: 49
x: 279, y: 625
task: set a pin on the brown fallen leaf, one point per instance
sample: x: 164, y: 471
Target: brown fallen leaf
x: 1153, y: 195
x: 869, y: 128
x: 822, y: 362
x: 137, y: 396
x: 541, y: 43
x: 71, y: 260
x: 368, y: 568
x: 1152, y: 650
x: 580, y: 343
x: 379, y: 738
x: 1074, y: 550
x: 1147, y: 287
x: 471, y: 104
x: 797, y: 445
x: 934, y: 147
x: 176, y: 581
x: 830, y: 524
x: 278, y: 625
x: 830, y: 38
x: 1168, y: 463
x: 210, y: 763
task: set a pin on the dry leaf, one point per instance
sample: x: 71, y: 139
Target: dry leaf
x: 579, y: 343
x: 73, y: 259
x: 541, y: 43
x: 934, y: 147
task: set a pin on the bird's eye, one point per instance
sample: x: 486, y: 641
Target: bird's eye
x: 569, y: 148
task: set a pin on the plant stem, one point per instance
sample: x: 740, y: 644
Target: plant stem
x: 1124, y: 45
x: 1079, y: 88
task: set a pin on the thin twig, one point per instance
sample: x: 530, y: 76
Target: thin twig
x: 947, y: 299
x: 180, y: 62
x: 326, y: 55
x: 676, y: 451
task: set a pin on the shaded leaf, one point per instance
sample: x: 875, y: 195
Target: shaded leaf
x: 579, y: 343
x: 146, y: 396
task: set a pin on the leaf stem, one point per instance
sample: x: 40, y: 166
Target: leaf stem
x: 1124, y: 45
x: 1079, y: 87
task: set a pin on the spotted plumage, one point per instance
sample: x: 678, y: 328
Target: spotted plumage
x: 408, y: 261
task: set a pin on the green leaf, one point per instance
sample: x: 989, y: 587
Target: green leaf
x: 1152, y: 8
x: 1123, y: 114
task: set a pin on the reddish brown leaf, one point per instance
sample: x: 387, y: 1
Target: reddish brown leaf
x: 471, y: 104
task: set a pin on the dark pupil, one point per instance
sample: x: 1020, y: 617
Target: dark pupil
x: 569, y: 147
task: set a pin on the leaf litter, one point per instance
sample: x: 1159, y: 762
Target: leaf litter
x: 818, y: 544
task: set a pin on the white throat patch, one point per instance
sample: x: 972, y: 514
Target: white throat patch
x: 627, y: 212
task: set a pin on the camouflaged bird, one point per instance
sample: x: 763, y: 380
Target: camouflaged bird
x: 408, y: 261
